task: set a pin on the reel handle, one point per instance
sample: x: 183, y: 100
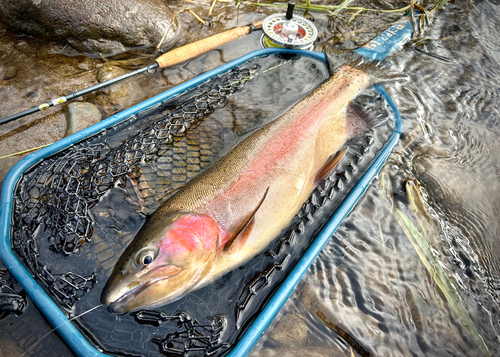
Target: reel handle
x: 289, y: 10
x: 197, y: 48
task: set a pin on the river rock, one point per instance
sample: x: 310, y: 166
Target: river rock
x: 118, y: 93
x: 81, y: 116
x: 9, y: 347
x: 94, y: 26
x: 308, y: 351
x: 291, y: 331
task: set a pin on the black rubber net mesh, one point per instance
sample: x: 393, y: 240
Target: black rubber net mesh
x: 77, y: 210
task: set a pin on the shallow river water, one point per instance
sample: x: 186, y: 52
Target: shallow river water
x: 370, y: 292
x: 369, y: 284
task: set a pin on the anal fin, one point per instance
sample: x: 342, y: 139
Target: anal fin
x: 330, y: 164
x: 242, y: 234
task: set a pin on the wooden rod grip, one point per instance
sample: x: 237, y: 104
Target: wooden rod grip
x: 195, y: 49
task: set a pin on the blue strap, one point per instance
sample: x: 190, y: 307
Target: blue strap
x: 391, y: 40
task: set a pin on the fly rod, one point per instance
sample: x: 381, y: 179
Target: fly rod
x: 169, y: 59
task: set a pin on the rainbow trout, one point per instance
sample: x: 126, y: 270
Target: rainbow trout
x: 233, y: 210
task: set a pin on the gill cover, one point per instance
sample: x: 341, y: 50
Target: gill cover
x: 171, y: 255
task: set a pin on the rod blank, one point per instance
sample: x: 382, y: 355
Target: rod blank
x: 169, y: 59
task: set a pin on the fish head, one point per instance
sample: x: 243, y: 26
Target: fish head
x: 169, y: 257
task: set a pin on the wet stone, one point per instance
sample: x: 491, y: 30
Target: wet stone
x: 163, y: 167
x: 118, y: 93
x: 308, y: 351
x: 149, y: 200
x: 144, y: 186
x: 81, y: 116
x: 162, y: 188
x: 100, y: 247
x: 84, y: 66
x: 291, y: 331
x: 105, y: 255
x: 179, y: 170
x: 164, y: 173
x: 193, y: 154
x: 9, y: 347
x: 162, y: 181
x: 193, y: 160
x: 193, y: 167
x: 149, y: 177
x: 10, y: 73
x: 179, y: 149
x: 148, y: 170
x: 165, y: 158
x: 149, y: 192
x: 178, y: 156
x: 108, y: 264
x: 93, y: 26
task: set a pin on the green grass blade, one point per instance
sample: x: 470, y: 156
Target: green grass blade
x: 437, y: 272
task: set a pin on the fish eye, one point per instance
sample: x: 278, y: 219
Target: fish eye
x: 145, y: 257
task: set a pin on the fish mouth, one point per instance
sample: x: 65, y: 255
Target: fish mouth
x: 119, y: 304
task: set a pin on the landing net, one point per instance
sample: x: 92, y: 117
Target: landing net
x: 77, y: 210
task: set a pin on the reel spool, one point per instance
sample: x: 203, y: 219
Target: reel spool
x: 288, y: 31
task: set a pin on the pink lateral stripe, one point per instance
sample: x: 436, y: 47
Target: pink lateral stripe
x: 279, y: 149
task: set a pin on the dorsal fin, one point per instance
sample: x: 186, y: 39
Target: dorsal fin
x: 360, y: 120
x: 333, y: 160
x: 243, y: 232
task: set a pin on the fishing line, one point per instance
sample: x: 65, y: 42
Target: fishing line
x: 25, y: 151
x: 64, y: 323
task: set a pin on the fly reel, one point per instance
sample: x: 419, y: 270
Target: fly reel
x: 288, y: 31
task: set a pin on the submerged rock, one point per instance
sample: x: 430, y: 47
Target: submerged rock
x: 309, y: 351
x: 119, y: 92
x: 81, y: 116
x: 9, y: 347
x: 93, y: 26
x: 291, y: 331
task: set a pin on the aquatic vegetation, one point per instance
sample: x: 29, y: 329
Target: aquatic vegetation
x: 354, y: 11
x: 344, y: 335
x: 433, y: 265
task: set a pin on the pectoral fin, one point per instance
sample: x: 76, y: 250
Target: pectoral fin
x: 245, y: 229
x: 330, y: 165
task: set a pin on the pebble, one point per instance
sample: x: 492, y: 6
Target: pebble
x: 118, y: 92
x: 84, y: 66
x: 10, y: 73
